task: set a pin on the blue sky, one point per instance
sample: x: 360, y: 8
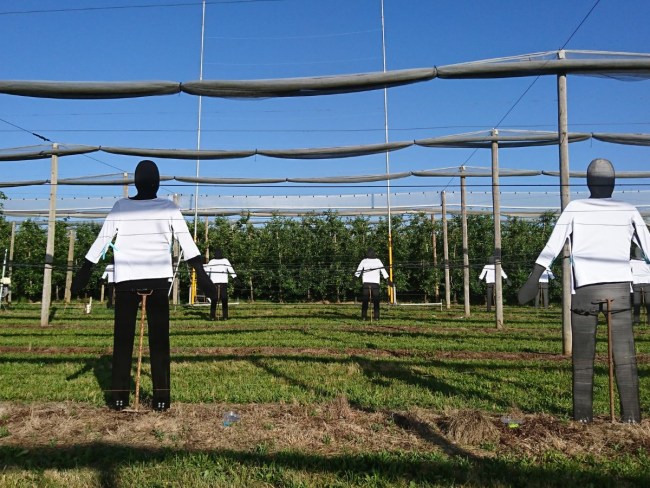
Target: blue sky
x: 124, y: 40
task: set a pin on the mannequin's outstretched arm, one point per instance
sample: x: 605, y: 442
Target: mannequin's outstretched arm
x: 528, y: 291
x: 81, y: 278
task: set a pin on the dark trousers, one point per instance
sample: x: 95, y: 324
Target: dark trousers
x: 127, y: 304
x: 222, y: 296
x: 110, y: 288
x: 490, y: 296
x: 584, y: 319
x: 370, y: 291
x: 542, y: 295
x: 641, y: 294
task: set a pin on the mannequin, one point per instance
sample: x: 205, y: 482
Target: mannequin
x: 369, y: 269
x: 144, y: 227
x: 600, y: 230
x: 219, y: 268
x: 489, y: 275
x: 542, y: 293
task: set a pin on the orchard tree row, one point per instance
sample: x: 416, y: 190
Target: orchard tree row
x: 312, y: 258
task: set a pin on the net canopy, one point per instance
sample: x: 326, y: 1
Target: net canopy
x: 513, y: 204
x: 484, y: 139
x: 505, y: 139
x: 620, y: 65
x: 630, y: 139
x: 596, y: 63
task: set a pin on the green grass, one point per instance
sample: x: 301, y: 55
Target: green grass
x: 310, y: 354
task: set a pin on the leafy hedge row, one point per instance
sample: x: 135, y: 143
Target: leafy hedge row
x: 312, y: 258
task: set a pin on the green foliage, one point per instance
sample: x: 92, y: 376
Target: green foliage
x: 314, y: 257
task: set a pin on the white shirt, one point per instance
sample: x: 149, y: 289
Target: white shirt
x: 640, y: 271
x: 145, y: 230
x: 599, y: 231
x: 489, y: 273
x: 219, y: 269
x: 108, y: 274
x: 369, y: 269
x: 546, y: 276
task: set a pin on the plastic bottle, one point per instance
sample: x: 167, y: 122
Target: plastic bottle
x: 230, y: 418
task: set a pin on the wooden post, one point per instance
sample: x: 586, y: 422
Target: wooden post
x: 563, y: 134
x: 445, y: 248
x: 68, y: 273
x: 125, y: 187
x: 49, y: 248
x: 436, y: 285
x: 496, y: 212
x: 11, y: 256
x: 207, y: 247
x: 463, y: 218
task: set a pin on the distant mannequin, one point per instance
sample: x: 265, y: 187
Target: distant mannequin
x: 489, y: 274
x: 144, y: 228
x: 600, y: 230
x: 640, y: 286
x: 542, y: 288
x: 370, y: 269
x: 219, y: 269
x: 109, y: 277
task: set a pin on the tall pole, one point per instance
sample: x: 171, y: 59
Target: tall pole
x: 198, y: 160
x: 436, y: 285
x: 563, y: 133
x: 207, y: 247
x: 49, y: 247
x: 445, y: 248
x: 463, y: 218
x: 68, y: 272
x: 11, y: 256
x: 392, y: 292
x: 125, y: 186
x: 496, y: 211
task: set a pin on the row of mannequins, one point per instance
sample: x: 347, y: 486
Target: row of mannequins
x: 640, y: 292
x: 140, y: 230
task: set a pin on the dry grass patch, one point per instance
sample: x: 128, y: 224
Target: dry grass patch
x: 328, y: 429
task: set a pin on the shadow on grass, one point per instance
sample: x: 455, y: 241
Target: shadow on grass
x: 385, y: 468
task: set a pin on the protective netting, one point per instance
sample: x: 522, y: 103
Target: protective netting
x: 483, y: 139
x: 505, y: 139
x: 43, y: 151
x: 514, y: 204
x: 596, y: 63
x: 631, y: 139
x: 620, y: 65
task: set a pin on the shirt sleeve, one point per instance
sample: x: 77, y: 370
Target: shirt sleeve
x: 561, y: 232
x: 359, y: 269
x: 503, y: 274
x: 383, y: 272
x: 642, y: 233
x: 105, y: 236
x: 182, y: 233
x: 483, y: 273
x: 230, y: 270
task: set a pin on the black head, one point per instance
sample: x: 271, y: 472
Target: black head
x: 147, y: 180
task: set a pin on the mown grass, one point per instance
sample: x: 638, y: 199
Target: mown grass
x: 310, y: 354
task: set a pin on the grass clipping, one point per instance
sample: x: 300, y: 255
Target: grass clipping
x: 470, y: 428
